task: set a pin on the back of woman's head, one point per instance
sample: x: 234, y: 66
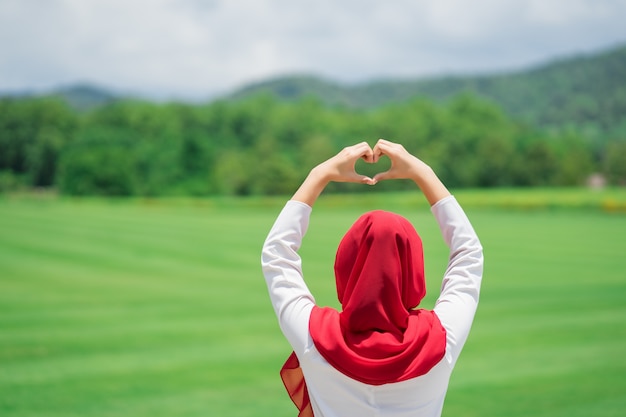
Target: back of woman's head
x: 379, y: 271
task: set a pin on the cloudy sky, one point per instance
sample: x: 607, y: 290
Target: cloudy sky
x: 202, y: 48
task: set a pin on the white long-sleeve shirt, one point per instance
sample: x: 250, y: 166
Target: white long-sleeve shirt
x: 332, y: 393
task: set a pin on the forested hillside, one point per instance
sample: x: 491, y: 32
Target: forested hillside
x: 587, y: 92
x: 93, y: 143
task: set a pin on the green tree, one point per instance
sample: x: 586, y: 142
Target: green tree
x: 104, y: 169
x: 232, y: 173
x: 32, y: 132
x: 101, y: 161
x: 575, y: 161
x: 539, y: 165
x: 615, y: 163
x: 495, y: 156
x: 274, y: 172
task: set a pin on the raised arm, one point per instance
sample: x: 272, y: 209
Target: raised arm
x: 280, y: 260
x: 460, y: 289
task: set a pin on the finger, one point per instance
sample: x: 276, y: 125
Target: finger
x: 368, y: 156
x: 369, y: 181
x: 377, y: 151
x: 382, y: 148
x: 381, y: 176
x: 363, y: 179
x: 390, y: 149
x: 356, y: 151
x: 365, y: 152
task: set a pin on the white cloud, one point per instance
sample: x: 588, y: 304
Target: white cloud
x: 198, y: 48
x: 553, y: 13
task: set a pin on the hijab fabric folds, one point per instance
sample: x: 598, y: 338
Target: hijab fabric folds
x: 379, y: 337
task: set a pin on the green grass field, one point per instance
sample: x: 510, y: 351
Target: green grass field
x: 158, y: 307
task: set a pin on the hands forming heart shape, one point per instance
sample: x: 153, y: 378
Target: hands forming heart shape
x: 341, y: 167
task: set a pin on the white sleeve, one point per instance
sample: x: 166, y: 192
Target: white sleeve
x: 457, y: 303
x: 282, y: 268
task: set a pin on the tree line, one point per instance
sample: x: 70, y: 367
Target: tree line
x: 262, y: 146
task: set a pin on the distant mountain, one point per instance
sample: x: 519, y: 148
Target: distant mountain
x: 583, y: 91
x: 296, y: 87
x: 80, y: 97
x: 85, y: 96
x: 579, y: 90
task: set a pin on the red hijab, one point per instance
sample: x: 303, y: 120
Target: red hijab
x: 378, y: 337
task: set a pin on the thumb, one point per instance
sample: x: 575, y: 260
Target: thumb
x: 364, y: 179
x: 381, y: 176
x: 354, y: 176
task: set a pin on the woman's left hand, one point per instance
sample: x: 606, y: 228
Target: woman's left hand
x: 340, y: 168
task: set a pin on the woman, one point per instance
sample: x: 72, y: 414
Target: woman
x: 381, y: 355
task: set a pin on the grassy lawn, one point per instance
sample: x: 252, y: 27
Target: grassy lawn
x: 158, y: 307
